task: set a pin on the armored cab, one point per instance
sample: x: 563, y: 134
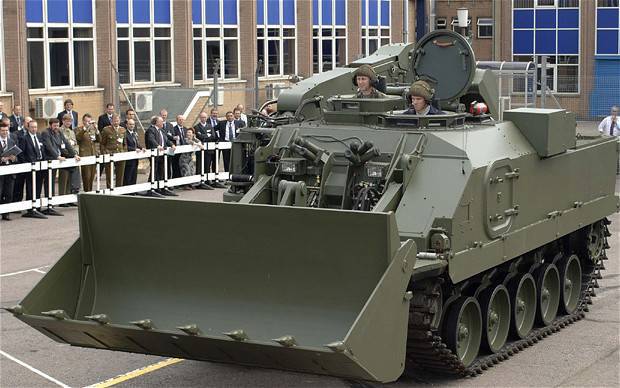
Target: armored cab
x: 356, y: 241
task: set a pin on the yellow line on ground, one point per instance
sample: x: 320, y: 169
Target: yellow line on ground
x: 135, y: 373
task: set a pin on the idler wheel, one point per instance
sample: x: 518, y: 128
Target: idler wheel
x: 596, y: 241
x: 495, y: 305
x: 463, y: 329
x: 570, y: 283
x: 548, y: 290
x: 523, y: 305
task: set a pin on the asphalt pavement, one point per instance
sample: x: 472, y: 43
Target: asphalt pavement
x: 585, y: 353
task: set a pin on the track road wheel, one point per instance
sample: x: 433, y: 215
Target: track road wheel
x: 522, y: 292
x: 495, y: 305
x: 548, y: 288
x: 570, y: 283
x: 463, y: 329
x: 596, y: 241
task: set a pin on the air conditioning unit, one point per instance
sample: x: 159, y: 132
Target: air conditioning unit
x: 274, y: 89
x: 48, y: 107
x: 142, y: 101
x: 220, y: 98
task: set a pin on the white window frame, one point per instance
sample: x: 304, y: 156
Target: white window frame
x: 333, y: 38
x: 596, y: 29
x: 70, y: 25
x: 280, y: 39
x: 486, y: 22
x: 538, y: 5
x: 207, y: 74
x: 383, y: 32
x: 2, y: 71
x: 553, y: 66
x: 152, y: 38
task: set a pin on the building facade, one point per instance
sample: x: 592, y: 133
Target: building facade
x: 83, y: 49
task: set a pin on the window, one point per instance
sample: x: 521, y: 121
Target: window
x: 551, y: 30
x: 441, y: 23
x: 607, y: 28
x: 329, y: 34
x: 375, y: 25
x: 485, y: 28
x: 216, y: 37
x: 276, y: 40
x: 61, y: 43
x: 144, y: 41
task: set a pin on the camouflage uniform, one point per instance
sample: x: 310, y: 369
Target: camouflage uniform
x: 374, y: 94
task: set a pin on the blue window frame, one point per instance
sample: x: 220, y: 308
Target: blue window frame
x: 276, y: 37
x: 549, y: 28
x: 329, y: 34
x: 215, y: 38
x: 375, y: 25
x: 61, y: 44
x: 607, y: 29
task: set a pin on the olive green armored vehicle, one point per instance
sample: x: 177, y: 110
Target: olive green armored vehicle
x: 354, y: 240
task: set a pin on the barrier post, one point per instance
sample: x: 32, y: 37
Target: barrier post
x: 165, y: 151
x: 33, y: 177
x: 112, y: 174
x: 98, y: 161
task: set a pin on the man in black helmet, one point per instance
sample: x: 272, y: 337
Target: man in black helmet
x: 365, y: 78
x: 420, y: 96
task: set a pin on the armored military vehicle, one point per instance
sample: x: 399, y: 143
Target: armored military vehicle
x: 355, y: 241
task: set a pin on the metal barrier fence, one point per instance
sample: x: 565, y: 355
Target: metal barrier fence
x: 50, y: 199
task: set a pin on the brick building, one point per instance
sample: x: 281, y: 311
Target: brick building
x: 71, y: 48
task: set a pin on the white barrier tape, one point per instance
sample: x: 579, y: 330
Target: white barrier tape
x: 225, y: 145
x: 15, y: 206
x: 185, y: 180
x: 129, y: 189
x: 62, y: 199
x: 221, y: 176
x: 15, y: 168
x: 131, y: 155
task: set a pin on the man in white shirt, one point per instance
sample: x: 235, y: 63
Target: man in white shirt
x: 611, y: 126
x: 244, y: 117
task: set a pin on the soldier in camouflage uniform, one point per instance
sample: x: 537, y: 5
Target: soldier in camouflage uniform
x: 365, y: 78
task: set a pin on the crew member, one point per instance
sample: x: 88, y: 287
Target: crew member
x: 420, y: 96
x: 365, y: 78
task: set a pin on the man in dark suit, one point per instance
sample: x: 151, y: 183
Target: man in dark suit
x: 57, y: 147
x: 206, y: 132
x: 69, y: 111
x: 32, y: 152
x: 105, y: 119
x: 130, y: 114
x: 133, y: 144
x: 6, y: 181
x: 168, y: 129
x: 17, y: 120
x: 228, y: 132
x: 155, y: 138
x: 178, y: 137
x: 239, y: 122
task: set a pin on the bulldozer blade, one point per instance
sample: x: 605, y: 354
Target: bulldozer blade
x: 312, y: 290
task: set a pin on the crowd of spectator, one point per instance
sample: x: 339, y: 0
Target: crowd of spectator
x: 66, y: 137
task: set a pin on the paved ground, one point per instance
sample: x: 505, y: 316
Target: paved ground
x: 583, y: 354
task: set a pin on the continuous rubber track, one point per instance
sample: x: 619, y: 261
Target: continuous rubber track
x: 427, y: 351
